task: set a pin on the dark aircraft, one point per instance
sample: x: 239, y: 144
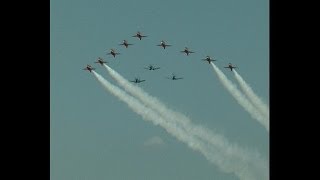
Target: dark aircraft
x: 230, y: 66
x: 138, y: 35
x: 125, y: 43
x: 150, y: 67
x: 100, y: 60
x: 209, y: 59
x: 89, y: 68
x: 187, y: 51
x: 113, y: 53
x: 163, y: 44
x: 137, y: 80
x: 173, y: 77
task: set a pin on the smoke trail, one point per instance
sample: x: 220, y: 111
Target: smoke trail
x: 229, y: 158
x: 160, y: 107
x: 241, y: 99
x: 217, y: 141
x: 262, y: 107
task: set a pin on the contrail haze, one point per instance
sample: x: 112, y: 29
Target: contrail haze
x: 229, y: 157
x: 241, y: 99
x: 255, y: 100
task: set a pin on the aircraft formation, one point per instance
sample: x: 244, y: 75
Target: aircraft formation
x: 152, y: 109
x: 162, y: 44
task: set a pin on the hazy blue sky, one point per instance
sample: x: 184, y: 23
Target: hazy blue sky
x: 95, y: 136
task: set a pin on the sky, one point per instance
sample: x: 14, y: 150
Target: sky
x: 93, y: 135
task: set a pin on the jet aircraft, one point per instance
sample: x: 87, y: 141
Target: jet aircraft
x: 113, y: 53
x: 163, y: 44
x: 139, y: 35
x: 209, y: 59
x: 138, y: 80
x: 89, y: 68
x: 125, y: 43
x: 230, y: 66
x: 100, y: 60
x: 174, y: 77
x: 187, y: 51
x: 150, y: 67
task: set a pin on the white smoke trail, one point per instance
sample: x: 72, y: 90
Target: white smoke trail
x: 241, y: 99
x: 161, y: 108
x: 181, y: 120
x: 262, y: 107
x: 229, y: 158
